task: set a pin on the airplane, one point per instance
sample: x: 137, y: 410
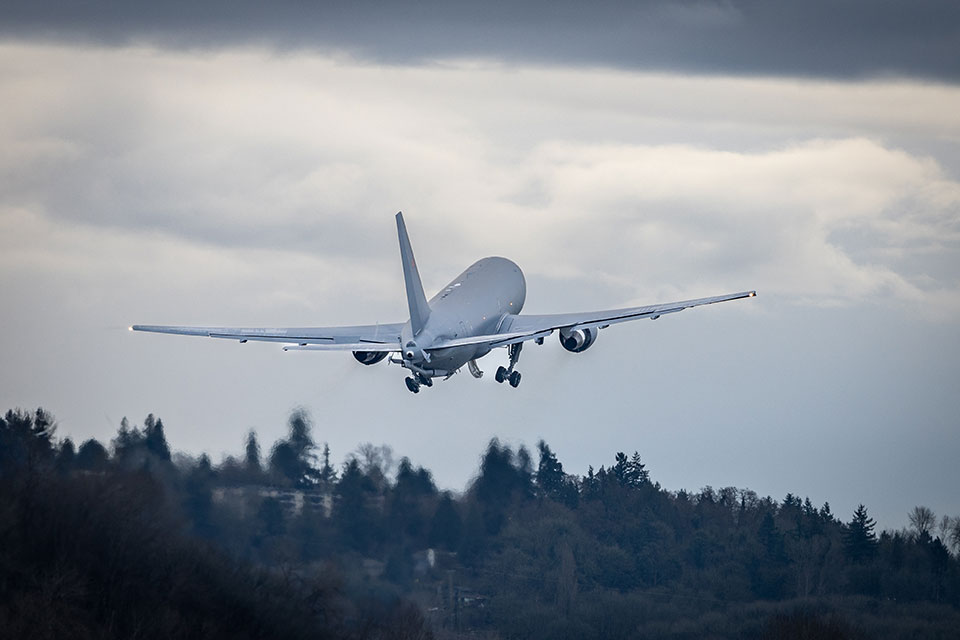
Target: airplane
x: 477, y: 312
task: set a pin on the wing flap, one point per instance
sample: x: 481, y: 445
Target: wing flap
x: 493, y: 339
x: 379, y: 347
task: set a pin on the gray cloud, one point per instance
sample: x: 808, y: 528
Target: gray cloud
x: 856, y: 38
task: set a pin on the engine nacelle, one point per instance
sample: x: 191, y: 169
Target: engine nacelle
x: 369, y: 357
x: 577, y: 340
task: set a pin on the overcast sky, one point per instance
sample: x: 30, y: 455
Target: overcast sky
x: 170, y: 164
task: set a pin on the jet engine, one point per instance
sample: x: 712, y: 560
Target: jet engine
x: 577, y: 340
x: 369, y: 357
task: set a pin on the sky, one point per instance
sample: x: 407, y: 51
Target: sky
x: 179, y: 163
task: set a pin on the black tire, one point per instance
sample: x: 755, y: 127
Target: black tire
x: 501, y: 374
x: 515, y: 379
x: 412, y: 385
x: 425, y: 380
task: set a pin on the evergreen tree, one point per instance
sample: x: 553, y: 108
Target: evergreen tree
x: 352, y: 512
x: 768, y: 569
x: 328, y: 475
x: 637, y: 471
x: 251, y: 457
x: 621, y: 470
x: 629, y: 472
x: 825, y: 513
x: 446, y: 525
x: 127, y: 441
x: 550, y: 475
x: 291, y: 460
x: 300, y: 439
x: 860, y: 542
x: 25, y: 439
x: 154, y: 439
x: 92, y: 456
x: 590, y: 486
x: 66, y: 456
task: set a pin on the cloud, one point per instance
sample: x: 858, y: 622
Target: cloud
x: 802, y: 38
x: 654, y: 186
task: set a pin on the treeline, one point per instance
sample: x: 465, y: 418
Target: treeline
x: 123, y: 545
x: 527, y: 551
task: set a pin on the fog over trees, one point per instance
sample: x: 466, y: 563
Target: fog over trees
x: 131, y: 540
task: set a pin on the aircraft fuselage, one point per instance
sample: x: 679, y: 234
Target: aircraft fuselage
x: 474, y: 303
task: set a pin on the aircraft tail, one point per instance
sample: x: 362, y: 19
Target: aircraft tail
x: 419, y: 308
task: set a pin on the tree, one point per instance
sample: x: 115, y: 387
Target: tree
x: 92, y: 456
x: 769, y: 569
x: 352, y: 512
x: 127, y: 441
x: 251, y: 452
x: 860, y: 542
x: 376, y: 462
x: 328, y: 475
x: 550, y: 475
x: 446, y: 525
x: 292, y: 459
x: 300, y: 438
x: 66, y: 456
x: 154, y: 439
x: 25, y: 439
x: 953, y: 535
x: 630, y: 472
x: 922, y: 519
x: 503, y: 479
x: 638, y: 470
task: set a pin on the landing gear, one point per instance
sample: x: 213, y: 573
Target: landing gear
x: 412, y: 385
x: 507, y: 373
x: 426, y: 381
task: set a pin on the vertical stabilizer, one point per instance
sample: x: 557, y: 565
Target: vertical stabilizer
x: 419, y: 309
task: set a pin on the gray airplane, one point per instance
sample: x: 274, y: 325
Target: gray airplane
x: 477, y: 312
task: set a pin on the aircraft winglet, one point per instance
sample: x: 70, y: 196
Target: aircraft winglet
x: 417, y: 301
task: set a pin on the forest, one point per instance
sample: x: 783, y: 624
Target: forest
x: 129, y: 539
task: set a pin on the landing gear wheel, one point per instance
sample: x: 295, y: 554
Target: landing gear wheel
x: 413, y: 385
x: 515, y: 379
x: 501, y: 374
x: 425, y: 380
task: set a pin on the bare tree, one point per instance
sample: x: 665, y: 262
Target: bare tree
x: 373, y: 457
x: 923, y: 520
x: 944, y: 528
x: 953, y: 536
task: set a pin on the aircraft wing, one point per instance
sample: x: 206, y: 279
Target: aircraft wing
x: 374, y: 337
x: 519, y: 328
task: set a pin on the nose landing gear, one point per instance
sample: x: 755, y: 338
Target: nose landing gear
x: 412, y: 385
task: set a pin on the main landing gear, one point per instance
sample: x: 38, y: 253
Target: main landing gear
x: 507, y: 373
x: 416, y: 380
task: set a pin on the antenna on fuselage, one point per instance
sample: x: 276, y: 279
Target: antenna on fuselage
x: 417, y: 301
